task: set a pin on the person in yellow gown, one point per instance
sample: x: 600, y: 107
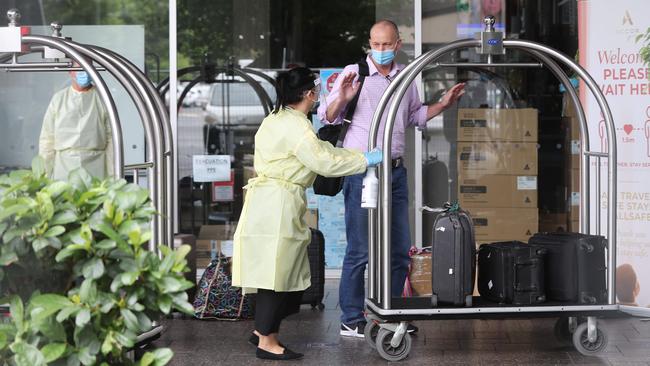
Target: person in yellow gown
x: 76, y: 131
x: 271, y: 239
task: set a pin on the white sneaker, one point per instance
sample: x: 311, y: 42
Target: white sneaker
x: 353, y: 330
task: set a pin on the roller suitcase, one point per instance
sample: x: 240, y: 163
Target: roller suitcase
x: 453, y: 258
x: 511, y: 273
x: 316, y: 252
x: 575, y: 269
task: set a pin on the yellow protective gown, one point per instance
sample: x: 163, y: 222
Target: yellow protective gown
x: 76, y: 133
x: 270, y: 242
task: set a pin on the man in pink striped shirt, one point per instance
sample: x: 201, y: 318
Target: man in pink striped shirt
x: 384, y: 43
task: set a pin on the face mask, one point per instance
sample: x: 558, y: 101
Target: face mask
x: 82, y: 78
x: 383, y: 57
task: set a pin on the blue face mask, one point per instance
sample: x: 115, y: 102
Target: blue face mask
x: 82, y: 78
x: 383, y: 57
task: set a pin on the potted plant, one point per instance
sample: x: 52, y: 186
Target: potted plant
x: 76, y: 271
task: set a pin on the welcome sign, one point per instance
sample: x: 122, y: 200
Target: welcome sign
x: 610, y: 53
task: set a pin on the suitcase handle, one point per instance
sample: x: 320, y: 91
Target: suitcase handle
x: 530, y: 263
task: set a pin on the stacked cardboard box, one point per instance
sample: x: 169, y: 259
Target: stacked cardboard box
x: 571, y: 124
x: 212, y: 240
x: 497, y: 164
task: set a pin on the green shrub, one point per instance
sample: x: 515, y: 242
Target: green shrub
x: 77, y: 273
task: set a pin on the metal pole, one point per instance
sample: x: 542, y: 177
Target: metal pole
x: 157, y: 142
x: 168, y: 146
x: 102, y: 89
x: 396, y: 90
x: 146, y: 111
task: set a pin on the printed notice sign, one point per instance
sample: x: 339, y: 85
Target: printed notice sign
x: 211, y: 168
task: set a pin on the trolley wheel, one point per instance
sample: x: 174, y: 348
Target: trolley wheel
x: 370, y: 333
x: 388, y: 352
x: 562, y: 331
x: 584, y: 346
x: 321, y: 306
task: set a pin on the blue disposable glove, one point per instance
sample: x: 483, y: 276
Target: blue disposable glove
x: 373, y: 157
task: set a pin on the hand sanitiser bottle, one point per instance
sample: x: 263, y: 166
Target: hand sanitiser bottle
x: 370, y: 189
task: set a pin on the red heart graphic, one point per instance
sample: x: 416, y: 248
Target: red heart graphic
x: 628, y: 129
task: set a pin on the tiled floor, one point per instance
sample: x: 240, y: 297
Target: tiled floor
x: 444, y: 342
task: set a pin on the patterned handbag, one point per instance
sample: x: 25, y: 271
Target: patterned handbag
x: 216, y: 298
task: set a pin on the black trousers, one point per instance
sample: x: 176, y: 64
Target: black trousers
x: 272, y: 307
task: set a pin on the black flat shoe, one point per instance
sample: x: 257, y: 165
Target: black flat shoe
x: 286, y: 355
x: 255, y: 341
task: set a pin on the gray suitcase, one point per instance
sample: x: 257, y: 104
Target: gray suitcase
x: 454, y: 258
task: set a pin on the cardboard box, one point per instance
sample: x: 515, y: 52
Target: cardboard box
x: 513, y: 125
x: 498, y: 191
x: 573, y: 189
x: 420, y: 275
x: 503, y: 224
x: 574, y: 226
x: 249, y: 173
x: 508, y: 158
x: 211, y: 240
x: 207, y: 250
x: 553, y: 222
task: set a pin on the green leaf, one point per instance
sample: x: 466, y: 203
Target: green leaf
x: 17, y: 311
x: 51, y: 328
x: 64, y: 217
x: 53, y: 351
x: 165, y: 304
x: 107, y: 345
x: 40, y: 244
x: 88, y: 291
x: 144, y: 322
x: 130, y: 320
x: 126, y: 339
x: 86, y: 357
x: 129, y: 278
x: 65, y: 313
x: 147, y: 359
x: 38, y: 166
x: 94, y: 268
x: 50, y: 302
x: 56, y: 188
x: 27, y: 355
x: 69, y: 251
x: 170, y: 284
x: 163, y: 356
x: 8, y: 256
x: 54, y: 231
x: 3, y: 340
x: 106, y: 244
x: 181, y: 304
x: 83, y: 317
x: 80, y: 179
x: 108, y: 231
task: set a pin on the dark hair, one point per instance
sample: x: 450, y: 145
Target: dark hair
x: 290, y: 86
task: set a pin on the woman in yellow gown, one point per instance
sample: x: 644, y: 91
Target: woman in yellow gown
x: 270, y: 243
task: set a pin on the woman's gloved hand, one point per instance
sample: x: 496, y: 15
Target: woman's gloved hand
x: 374, y: 157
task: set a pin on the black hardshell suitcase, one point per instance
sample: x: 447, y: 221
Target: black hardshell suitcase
x: 453, y: 258
x: 316, y: 252
x: 511, y: 273
x: 575, y: 266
